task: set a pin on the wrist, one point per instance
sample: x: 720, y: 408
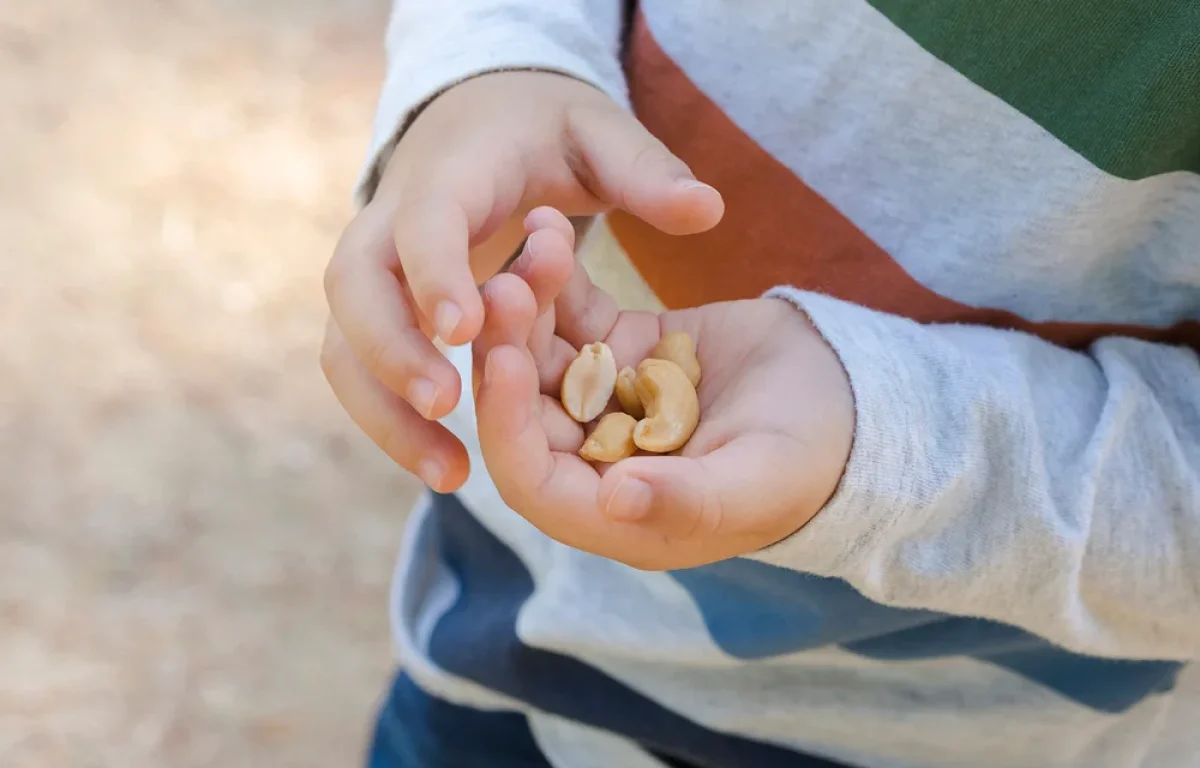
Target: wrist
x: 887, y: 472
x: 833, y: 411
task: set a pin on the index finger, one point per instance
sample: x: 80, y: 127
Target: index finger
x: 432, y: 237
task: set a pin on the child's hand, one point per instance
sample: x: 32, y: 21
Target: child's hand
x: 776, y: 424
x: 447, y: 213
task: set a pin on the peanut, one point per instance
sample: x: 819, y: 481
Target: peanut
x: 672, y: 407
x: 588, y: 383
x: 611, y: 440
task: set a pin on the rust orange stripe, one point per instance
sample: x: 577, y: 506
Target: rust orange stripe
x: 778, y: 230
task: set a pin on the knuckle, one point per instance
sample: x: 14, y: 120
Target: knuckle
x: 383, y: 360
x: 334, y: 276
x: 350, y: 248
x: 648, y: 155
x: 641, y: 162
x: 654, y: 157
x: 541, y: 486
x: 417, y: 205
x: 366, y: 238
x: 583, y: 173
x: 712, y: 512
x: 330, y: 361
x: 707, y: 518
x: 333, y: 355
x: 397, y: 443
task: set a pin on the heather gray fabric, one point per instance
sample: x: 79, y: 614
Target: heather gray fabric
x: 1008, y: 573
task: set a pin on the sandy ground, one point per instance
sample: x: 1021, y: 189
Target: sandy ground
x: 195, y: 544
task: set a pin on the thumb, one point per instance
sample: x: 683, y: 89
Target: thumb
x: 748, y: 490
x: 620, y: 162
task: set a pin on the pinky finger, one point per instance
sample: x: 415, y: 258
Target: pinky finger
x: 424, y: 448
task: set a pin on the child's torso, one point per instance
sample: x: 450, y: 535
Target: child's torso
x: 1017, y: 163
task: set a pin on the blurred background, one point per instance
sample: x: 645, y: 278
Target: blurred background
x: 195, y: 543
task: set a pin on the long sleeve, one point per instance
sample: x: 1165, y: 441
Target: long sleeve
x: 435, y: 44
x: 995, y: 475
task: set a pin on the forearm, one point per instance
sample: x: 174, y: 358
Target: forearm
x: 998, y: 476
x: 433, y: 45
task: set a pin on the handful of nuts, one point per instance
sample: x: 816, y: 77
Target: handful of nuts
x: 659, y: 406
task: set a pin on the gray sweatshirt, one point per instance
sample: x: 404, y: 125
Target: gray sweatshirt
x: 991, y: 210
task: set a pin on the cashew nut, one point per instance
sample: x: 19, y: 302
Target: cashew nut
x: 627, y: 394
x: 589, y: 381
x: 672, y: 407
x: 611, y: 440
x: 679, y: 348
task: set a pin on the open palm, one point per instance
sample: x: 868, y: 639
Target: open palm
x: 775, y: 425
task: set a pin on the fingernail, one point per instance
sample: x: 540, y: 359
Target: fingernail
x: 422, y: 394
x: 630, y: 501
x: 445, y: 319
x: 431, y: 472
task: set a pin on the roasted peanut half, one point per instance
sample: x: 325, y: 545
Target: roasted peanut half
x: 627, y: 394
x: 679, y: 348
x: 611, y: 440
x: 588, y: 383
x: 672, y: 407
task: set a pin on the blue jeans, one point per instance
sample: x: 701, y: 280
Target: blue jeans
x: 416, y: 730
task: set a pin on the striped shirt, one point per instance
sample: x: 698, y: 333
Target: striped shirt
x: 991, y: 210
